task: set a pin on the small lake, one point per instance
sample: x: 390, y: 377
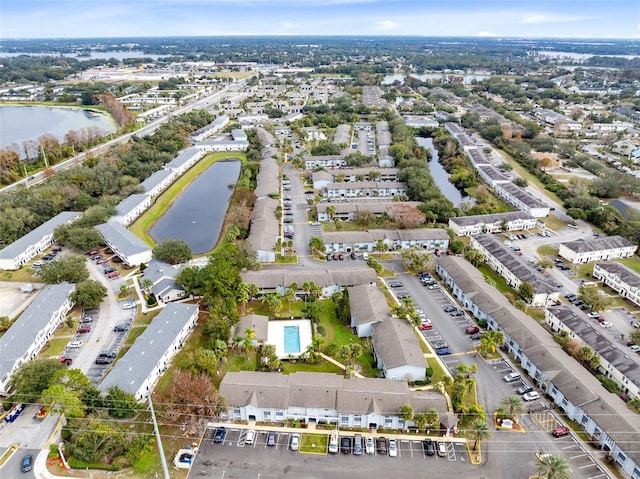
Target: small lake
x: 440, y: 175
x: 117, y: 54
x: 197, y: 215
x: 22, y: 123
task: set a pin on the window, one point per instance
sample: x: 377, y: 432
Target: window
x: 388, y: 422
x: 584, y: 419
x: 553, y: 390
x: 236, y: 414
x: 400, y: 423
x: 279, y: 416
x: 565, y: 402
x: 621, y: 458
x: 344, y: 420
x: 266, y: 416
x: 357, y: 421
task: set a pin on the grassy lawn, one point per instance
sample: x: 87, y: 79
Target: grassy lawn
x: 142, y: 225
x: 547, y: 250
x: 536, y: 313
x: 554, y: 223
x: 54, y: 347
x: 494, y: 202
x: 22, y: 275
x: 498, y: 280
x: 314, y: 443
x: 321, y: 367
x: 438, y: 372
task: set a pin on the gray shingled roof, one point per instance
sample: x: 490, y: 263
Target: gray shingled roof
x: 15, y: 343
x: 586, y: 245
x: 523, y: 195
x: 183, y: 157
x: 490, y: 218
x: 257, y: 322
x: 22, y: 244
x: 130, y: 372
x: 625, y: 274
x: 130, y: 203
x: 123, y: 239
x: 368, y: 304
x: 155, y: 179
x: 272, y: 278
x: 396, y: 343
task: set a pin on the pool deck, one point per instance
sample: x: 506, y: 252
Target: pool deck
x: 275, y: 335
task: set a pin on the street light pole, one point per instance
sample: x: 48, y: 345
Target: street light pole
x: 163, y: 460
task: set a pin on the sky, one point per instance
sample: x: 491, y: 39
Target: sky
x: 159, y: 18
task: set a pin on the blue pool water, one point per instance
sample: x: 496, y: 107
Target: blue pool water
x: 291, y: 339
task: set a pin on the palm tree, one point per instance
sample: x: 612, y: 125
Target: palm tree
x: 432, y: 416
x: 406, y: 412
x: 512, y: 405
x: 420, y: 420
x: 290, y: 295
x: 380, y: 246
x: 249, y: 336
x: 331, y: 210
x: 490, y: 340
x: 553, y: 466
x: 316, y: 244
x: 479, y: 432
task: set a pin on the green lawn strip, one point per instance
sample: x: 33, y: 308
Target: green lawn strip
x: 299, y: 366
x: 21, y: 275
x: 438, y: 373
x: 554, y: 223
x: 142, y: 225
x: 498, y: 280
x: 547, y: 250
x: 54, y: 347
x: 314, y: 443
x: 536, y: 313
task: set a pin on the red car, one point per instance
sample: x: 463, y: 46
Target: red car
x: 425, y: 326
x: 101, y: 261
x: 93, y: 252
x: 84, y: 329
x: 113, y: 274
x: 472, y: 330
x: 561, y: 431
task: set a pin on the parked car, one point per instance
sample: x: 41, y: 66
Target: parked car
x: 345, y: 445
x: 425, y: 325
x: 107, y: 354
x: 635, y: 348
x: 393, y: 448
x: 475, y: 336
x: 433, y: 286
x: 27, y: 463
x: 113, y: 274
x: 402, y: 295
x: 396, y: 284
x: 271, y: 439
x: 511, y: 377
x: 341, y: 257
x: 449, y: 309
x: 456, y: 312
x: 66, y: 360
x: 440, y: 344
x: 101, y: 261
x: 84, y: 329
x: 75, y: 344
x: 429, y: 447
x: 103, y: 360
x: 129, y: 306
x: 524, y: 389
x: 295, y: 442
x: 218, y: 436
x: 250, y: 437
x: 561, y: 431
x: 443, y: 351
x: 93, y: 252
x: 353, y: 256
x: 358, y: 447
x: 381, y: 446
x: 531, y: 396
x: 120, y: 328
x: 472, y: 329
x: 442, y: 449
x: 369, y: 446
x: 605, y: 324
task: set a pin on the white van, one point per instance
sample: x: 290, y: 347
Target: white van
x: 365, y: 256
x: 573, y: 227
x: 333, y: 442
x: 250, y: 437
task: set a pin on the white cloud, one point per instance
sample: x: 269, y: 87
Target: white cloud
x: 386, y: 25
x: 547, y: 18
x: 486, y: 34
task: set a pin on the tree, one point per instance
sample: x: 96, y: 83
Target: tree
x: 592, y: 297
x: 414, y: 259
x: 89, y: 294
x: 63, y: 400
x: 473, y: 256
x: 69, y: 268
x: 420, y: 420
x: 553, y: 466
x: 490, y: 340
x: 380, y: 246
x: 121, y: 404
x: 525, y: 291
x: 512, y: 406
x: 456, y: 246
x: 479, y: 432
x: 173, y: 251
x: 32, y: 378
x: 406, y: 412
x: 94, y: 439
x: 406, y: 216
x: 521, y: 182
x: 432, y: 416
x: 191, y: 400
x: 545, y: 264
x: 350, y: 352
x: 316, y: 244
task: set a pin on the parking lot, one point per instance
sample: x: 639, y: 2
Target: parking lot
x: 232, y: 458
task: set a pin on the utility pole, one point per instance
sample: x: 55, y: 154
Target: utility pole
x: 46, y: 165
x: 163, y: 460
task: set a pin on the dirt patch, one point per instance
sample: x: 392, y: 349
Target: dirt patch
x: 12, y: 300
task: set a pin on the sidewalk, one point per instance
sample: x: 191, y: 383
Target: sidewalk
x: 340, y: 365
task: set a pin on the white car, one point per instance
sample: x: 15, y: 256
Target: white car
x: 393, y: 448
x: 369, y: 446
x: 75, y: 344
x: 511, y: 377
x: 605, y: 324
x: 531, y: 396
x: 593, y: 315
x: 250, y: 437
x: 295, y: 442
x: 129, y: 306
x: 635, y: 348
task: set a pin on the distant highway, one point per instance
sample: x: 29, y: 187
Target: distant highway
x: 144, y: 131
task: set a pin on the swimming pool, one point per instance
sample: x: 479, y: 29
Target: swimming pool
x: 291, y: 339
